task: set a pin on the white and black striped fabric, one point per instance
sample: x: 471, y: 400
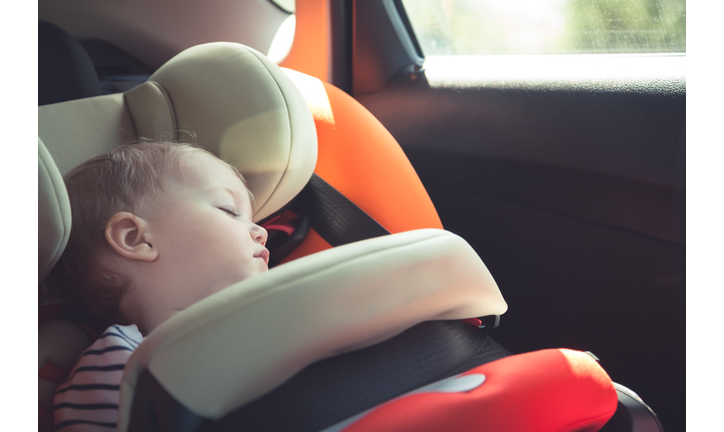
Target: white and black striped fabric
x: 88, y: 399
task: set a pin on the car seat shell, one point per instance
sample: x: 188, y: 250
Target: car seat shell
x: 362, y: 160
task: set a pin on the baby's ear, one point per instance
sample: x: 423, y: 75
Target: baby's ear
x: 128, y: 236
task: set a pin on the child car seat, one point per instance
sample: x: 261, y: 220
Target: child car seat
x: 177, y: 96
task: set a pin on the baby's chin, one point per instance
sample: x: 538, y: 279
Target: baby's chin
x: 262, y: 270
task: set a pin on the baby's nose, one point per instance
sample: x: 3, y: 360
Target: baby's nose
x: 259, y: 234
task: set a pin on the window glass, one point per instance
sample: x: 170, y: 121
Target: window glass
x: 474, y: 27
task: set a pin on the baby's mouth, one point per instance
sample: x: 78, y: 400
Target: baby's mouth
x: 264, y: 254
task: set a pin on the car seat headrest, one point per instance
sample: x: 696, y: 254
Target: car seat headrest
x: 237, y: 104
x: 240, y: 106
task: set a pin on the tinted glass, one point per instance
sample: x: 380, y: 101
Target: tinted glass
x: 474, y: 27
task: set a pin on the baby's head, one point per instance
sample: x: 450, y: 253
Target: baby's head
x: 156, y: 227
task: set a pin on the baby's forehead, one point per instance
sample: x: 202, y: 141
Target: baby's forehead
x: 199, y: 168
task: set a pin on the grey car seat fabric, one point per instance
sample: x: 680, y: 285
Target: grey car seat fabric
x: 65, y: 71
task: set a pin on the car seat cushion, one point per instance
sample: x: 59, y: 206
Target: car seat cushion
x: 53, y: 213
x: 78, y: 130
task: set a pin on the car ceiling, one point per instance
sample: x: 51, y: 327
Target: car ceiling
x: 154, y: 31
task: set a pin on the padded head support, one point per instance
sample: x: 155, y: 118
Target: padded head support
x: 263, y: 330
x: 240, y: 106
x: 237, y: 104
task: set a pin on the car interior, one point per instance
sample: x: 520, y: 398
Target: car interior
x: 569, y: 187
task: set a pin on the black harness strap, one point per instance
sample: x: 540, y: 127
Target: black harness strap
x: 337, y: 219
x: 333, y: 389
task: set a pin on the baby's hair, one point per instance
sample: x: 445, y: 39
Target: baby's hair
x: 122, y: 180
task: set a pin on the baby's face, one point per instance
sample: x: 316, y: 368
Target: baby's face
x: 201, y: 226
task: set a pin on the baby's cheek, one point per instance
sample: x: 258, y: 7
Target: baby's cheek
x: 231, y: 265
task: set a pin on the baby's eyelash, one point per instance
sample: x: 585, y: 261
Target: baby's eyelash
x: 228, y: 211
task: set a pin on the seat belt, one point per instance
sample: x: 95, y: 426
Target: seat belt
x: 320, y: 206
x: 339, y: 221
x: 336, y: 218
x: 333, y: 389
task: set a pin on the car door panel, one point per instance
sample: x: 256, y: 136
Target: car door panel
x: 573, y: 193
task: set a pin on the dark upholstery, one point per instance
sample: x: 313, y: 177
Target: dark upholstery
x: 65, y: 71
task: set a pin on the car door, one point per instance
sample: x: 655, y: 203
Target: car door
x: 566, y: 173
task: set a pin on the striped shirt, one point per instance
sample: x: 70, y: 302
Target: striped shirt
x: 88, y: 399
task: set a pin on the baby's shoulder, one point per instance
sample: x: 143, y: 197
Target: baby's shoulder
x: 109, y: 352
x: 95, y: 380
x: 115, y: 336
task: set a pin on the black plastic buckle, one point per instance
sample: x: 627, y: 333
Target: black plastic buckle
x: 489, y: 321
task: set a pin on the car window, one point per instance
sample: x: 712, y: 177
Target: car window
x: 475, y: 27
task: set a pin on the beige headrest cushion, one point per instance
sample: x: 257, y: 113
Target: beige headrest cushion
x: 240, y: 106
x: 237, y: 103
x: 245, y: 340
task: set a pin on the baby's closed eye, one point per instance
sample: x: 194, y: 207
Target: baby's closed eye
x: 229, y: 211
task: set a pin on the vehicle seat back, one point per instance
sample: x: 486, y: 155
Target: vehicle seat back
x: 65, y: 71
